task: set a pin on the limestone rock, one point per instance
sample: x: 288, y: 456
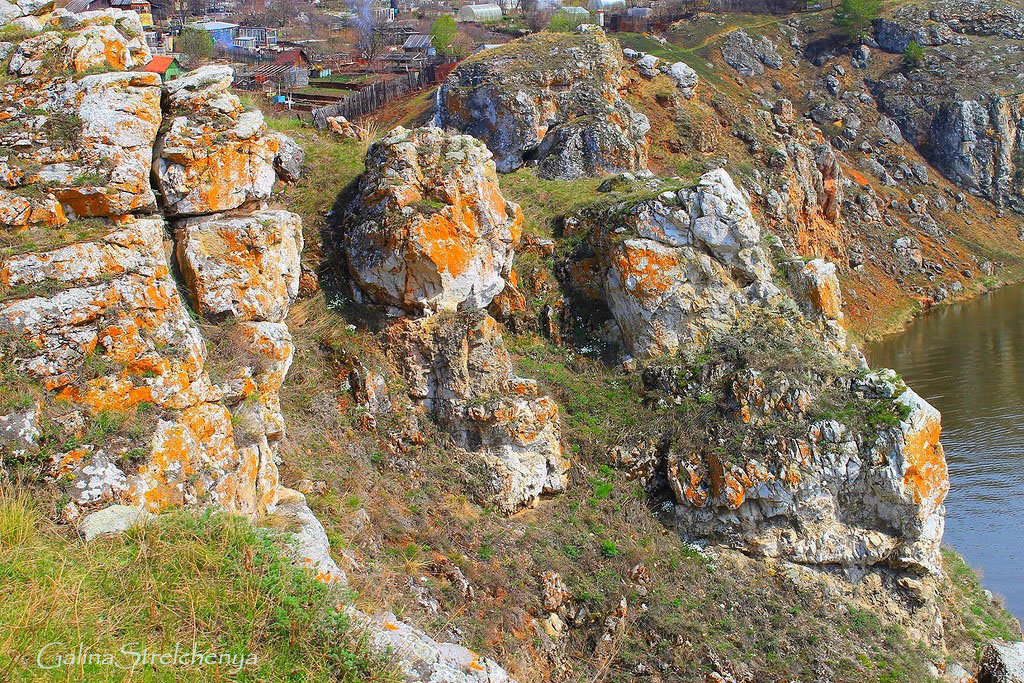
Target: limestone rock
x: 816, y: 285
x: 111, y: 303
x: 245, y: 268
x: 551, y: 98
x: 685, y: 78
x: 675, y: 268
x: 828, y: 495
x: 1002, y: 663
x: 430, y: 230
x: 748, y: 56
x: 19, y: 433
x: 112, y: 520
x: 459, y: 372
x: 424, y: 660
x: 307, y: 544
x: 75, y: 148
x: 204, y: 166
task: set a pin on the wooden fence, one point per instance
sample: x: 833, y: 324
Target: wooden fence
x: 374, y: 96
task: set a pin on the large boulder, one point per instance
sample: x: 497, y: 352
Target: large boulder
x: 748, y: 56
x: 78, y: 148
x: 552, y: 98
x: 244, y: 268
x: 673, y: 269
x: 215, y: 156
x: 429, y: 229
x: 842, y: 470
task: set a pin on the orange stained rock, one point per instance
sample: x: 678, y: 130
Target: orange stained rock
x: 651, y: 269
x: 926, y: 475
x: 448, y: 243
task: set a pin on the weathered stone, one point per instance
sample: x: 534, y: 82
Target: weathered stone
x: 1002, y: 663
x: 246, y: 268
x: 112, y: 520
x: 206, y: 166
x: 459, y: 372
x: 690, y: 263
x: 750, y: 57
x: 307, y: 543
x: 685, y: 78
x: 430, y: 230
x: 548, y: 95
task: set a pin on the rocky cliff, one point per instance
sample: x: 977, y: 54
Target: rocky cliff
x: 969, y: 129
x: 548, y: 99
x: 127, y: 410
x: 587, y: 424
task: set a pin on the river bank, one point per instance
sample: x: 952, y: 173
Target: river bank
x: 967, y: 359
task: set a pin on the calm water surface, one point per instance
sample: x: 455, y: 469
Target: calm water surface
x: 967, y: 360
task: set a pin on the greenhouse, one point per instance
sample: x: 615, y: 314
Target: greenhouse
x: 479, y: 13
x: 576, y: 12
x: 607, y: 6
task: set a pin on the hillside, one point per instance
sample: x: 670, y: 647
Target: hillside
x: 568, y: 389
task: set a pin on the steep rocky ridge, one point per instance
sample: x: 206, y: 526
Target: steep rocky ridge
x: 732, y: 410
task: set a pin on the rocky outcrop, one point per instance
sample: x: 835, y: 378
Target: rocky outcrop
x: 458, y: 370
x: 748, y: 56
x: 832, y: 494
x: 549, y: 98
x: 101, y: 327
x: 243, y: 268
x: 1002, y: 663
x: 214, y: 156
x: 970, y: 129
x: 92, y: 315
x: 684, y: 77
x: 428, y: 235
x: 78, y: 147
x: 429, y: 230
x: 674, y: 269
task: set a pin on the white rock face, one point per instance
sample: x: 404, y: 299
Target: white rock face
x: 430, y: 230
x: 307, y: 543
x: 246, y: 268
x: 1002, y: 663
x: 689, y: 264
x: 685, y: 78
x: 458, y: 370
x: 112, y: 520
x: 424, y: 660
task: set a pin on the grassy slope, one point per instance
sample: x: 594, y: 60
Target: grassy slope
x: 402, y: 510
x: 213, y: 580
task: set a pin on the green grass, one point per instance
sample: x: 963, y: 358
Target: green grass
x: 545, y: 201
x: 971, y: 618
x: 214, y: 581
x: 330, y: 165
x: 599, y: 407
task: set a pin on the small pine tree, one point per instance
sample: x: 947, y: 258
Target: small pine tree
x: 913, y: 55
x: 195, y: 43
x: 562, y: 22
x: 855, y: 16
x: 443, y: 32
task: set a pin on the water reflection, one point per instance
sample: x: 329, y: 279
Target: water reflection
x: 968, y: 361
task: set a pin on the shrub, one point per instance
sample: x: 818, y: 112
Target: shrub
x: 443, y: 32
x: 855, y: 16
x: 913, y: 55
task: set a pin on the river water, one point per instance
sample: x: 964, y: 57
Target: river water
x: 967, y: 360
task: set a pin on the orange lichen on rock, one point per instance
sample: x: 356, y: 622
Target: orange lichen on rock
x: 430, y: 229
